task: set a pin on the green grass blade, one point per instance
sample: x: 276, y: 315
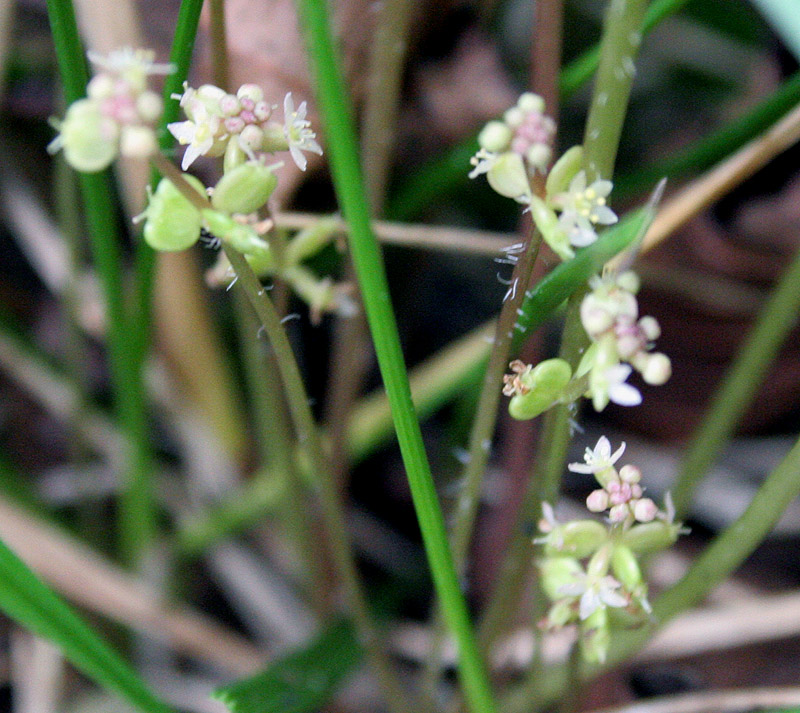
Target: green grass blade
x: 345, y: 166
x: 137, y: 510
x: 27, y: 600
x: 301, y: 682
x: 711, y: 149
x: 145, y: 257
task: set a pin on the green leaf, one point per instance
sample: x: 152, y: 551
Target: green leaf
x: 300, y: 682
x: 32, y: 604
x: 560, y: 283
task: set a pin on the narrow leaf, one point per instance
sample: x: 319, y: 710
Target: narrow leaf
x: 301, y: 682
x: 32, y: 604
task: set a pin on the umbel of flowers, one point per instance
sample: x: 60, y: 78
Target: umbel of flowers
x: 620, y: 342
x: 589, y: 569
x: 118, y: 117
x: 514, y: 149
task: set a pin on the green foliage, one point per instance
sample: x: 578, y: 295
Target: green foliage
x: 301, y: 682
x: 27, y: 600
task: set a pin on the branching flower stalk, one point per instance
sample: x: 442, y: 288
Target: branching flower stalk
x: 307, y: 433
x: 615, y: 74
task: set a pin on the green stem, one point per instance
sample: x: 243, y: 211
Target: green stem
x: 740, y: 386
x: 717, y: 562
x: 145, y: 257
x: 137, y: 503
x: 348, y: 182
x: 308, y: 434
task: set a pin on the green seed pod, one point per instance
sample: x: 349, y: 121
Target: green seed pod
x: 600, y: 562
x: 551, y: 230
x: 90, y: 140
x: 241, y: 237
x: 173, y: 223
x: 626, y: 568
x: 310, y: 241
x: 563, y: 171
x: 244, y: 189
x: 579, y: 538
x: 508, y: 177
x: 595, y: 636
x: 557, y: 572
x: 545, y: 382
x: 651, y: 536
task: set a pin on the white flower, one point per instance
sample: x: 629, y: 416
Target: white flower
x: 132, y: 65
x: 297, y: 132
x: 595, y: 592
x: 199, y: 135
x: 583, y: 208
x: 599, y: 458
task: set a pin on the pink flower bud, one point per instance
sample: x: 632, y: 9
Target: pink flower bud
x: 657, y: 370
x: 645, y: 510
x: 618, y: 513
x: 229, y: 105
x: 597, y: 501
x: 630, y: 474
x: 251, y: 138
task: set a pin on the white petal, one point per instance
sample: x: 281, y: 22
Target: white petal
x: 580, y: 468
x: 189, y: 156
x: 603, y: 449
x: 612, y: 599
x: 313, y: 146
x: 589, y: 603
x: 602, y: 188
x: 624, y: 395
x: 183, y: 131
x: 288, y: 106
x: 618, y: 453
x: 297, y: 157
x: 604, y: 215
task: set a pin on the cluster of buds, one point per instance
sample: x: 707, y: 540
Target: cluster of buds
x: 610, y: 316
x: 118, y: 115
x: 589, y: 570
x: 240, y: 126
x: 514, y: 149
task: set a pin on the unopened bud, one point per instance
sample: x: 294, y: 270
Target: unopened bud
x: 251, y: 138
x: 538, y: 156
x: 229, y: 105
x: 630, y: 474
x: 252, y: 92
x: 245, y: 189
x: 514, y: 117
x: 650, y: 328
x: 149, y: 107
x: 657, y: 370
x: 618, y: 513
x: 645, y: 510
x: 629, y: 281
x: 531, y: 103
x: 595, y: 315
x: 597, y: 501
x: 137, y: 141
x: 494, y: 137
x: 100, y: 86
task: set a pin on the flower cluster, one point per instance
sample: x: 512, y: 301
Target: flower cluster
x: 589, y: 570
x: 572, y: 209
x: 240, y: 126
x: 610, y: 316
x: 514, y: 149
x: 117, y: 116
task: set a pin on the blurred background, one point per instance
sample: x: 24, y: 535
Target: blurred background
x: 700, y: 70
